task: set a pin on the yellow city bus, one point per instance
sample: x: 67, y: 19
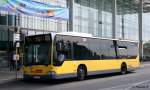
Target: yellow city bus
x: 65, y: 55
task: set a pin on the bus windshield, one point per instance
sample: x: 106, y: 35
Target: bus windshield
x: 37, y: 52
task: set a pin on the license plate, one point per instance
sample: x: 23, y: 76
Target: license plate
x: 36, y: 77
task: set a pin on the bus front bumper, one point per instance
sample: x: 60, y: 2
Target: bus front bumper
x: 51, y: 75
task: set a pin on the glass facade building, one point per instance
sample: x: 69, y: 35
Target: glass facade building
x: 127, y: 20
x: 38, y: 25
x: 95, y: 17
x: 89, y: 16
x: 32, y: 25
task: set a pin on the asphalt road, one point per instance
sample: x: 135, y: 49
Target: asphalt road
x: 137, y: 80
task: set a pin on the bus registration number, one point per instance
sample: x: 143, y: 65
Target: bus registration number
x: 36, y: 77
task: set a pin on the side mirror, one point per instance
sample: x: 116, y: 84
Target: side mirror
x: 61, y: 58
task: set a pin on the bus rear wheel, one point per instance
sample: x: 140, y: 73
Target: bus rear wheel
x: 81, y: 73
x: 123, y: 69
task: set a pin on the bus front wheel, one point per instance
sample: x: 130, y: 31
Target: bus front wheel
x: 81, y: 73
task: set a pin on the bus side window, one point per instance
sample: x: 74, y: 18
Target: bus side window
x: 103, y: 48
x: 122, y: 49
x: 68, y: 48
x: 64, y: 46
x: 102, y: 56
x: 59, y: 46
x: 122, y: 52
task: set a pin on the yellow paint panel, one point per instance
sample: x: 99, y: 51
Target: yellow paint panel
x: 92, y: 65
x: 95, y: 65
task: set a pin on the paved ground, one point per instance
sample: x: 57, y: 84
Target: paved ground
x: 6, y: 75
x: 138, y: 80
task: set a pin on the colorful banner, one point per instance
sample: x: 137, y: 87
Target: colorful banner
x: 55, y: 9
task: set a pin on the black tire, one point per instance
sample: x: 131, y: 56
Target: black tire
x: 123, y: 69
x: 26, y: 78
x: 81, y: 73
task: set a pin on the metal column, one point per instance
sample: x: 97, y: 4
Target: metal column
x: 100, y: 8
x: 140, y: 29
x: 123, y: 36
x: 114, y: 19
x: 71, y: 5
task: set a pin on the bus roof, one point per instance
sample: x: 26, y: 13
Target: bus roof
x: 77, y: 34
